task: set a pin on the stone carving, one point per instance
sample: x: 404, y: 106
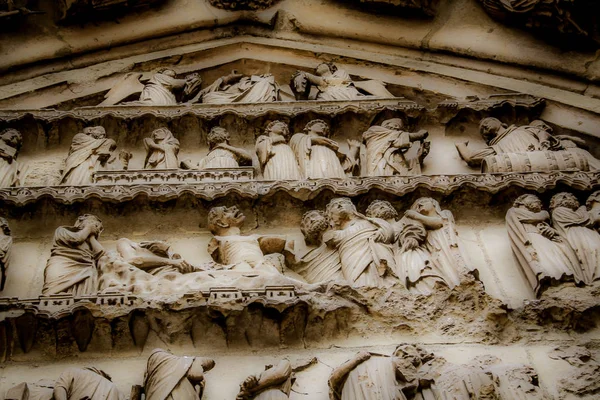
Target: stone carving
x: 333, y: 83
x: 363, y: 244
x: 10, y: 144
x: 41, y: 390
x: 172, y: 377
x: 85, y: 383
x: 593, y: 206
x: 160, y: 90
x: 161, y: 150
x: 541, y: 252
x: 5, y: 250
x: 392, y: 151
x: 321, y: 157
x: 574, y: 223
x: 275, y: 383
x: 237, y: 88
x: 90, y: 151
x: 276, y: 158
x: 523, y: 148
x: 11, y: 9
x: 584, y: 378
x: 319, y: 262
x: 221, y: 154
x: 235, y: 5
x: 571, y: 18
x: 71, y: 268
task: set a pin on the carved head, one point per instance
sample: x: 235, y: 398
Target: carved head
x: 89, y: 220
x: 489, y: 127
x: 97, y: 132
x: 168, y: 72
x: 221, y: 218
x: 529, y: 201
x: 564, y: 199
x: 593, y: 200
x: 339, y: 210
x: 300, y: 86
x: 542, y: 125
x: 317, y: 127
x: 12, y: 137
x: 426, y: 206
x: 314, y: 224
x: 381, y: 209
x: 217, y: 135
x: 161, y: 134
x: 325, y: 69
x: 395, y: 124
x: 4, y: 226
x: 279, y: 128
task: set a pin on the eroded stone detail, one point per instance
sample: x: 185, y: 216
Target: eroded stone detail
x: 235, y: 5
x: 275, y: 383
x: 10, y: 144
x: 161, y: 150
x: 584, y: 378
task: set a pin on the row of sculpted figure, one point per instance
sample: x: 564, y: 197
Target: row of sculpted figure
x: 418, y: 251
x: 409, y: 373
x: 328, y: 82
x: 561, y: 245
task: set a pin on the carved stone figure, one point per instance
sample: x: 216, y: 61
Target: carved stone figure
x: 542, y: 253
x: 362, y: 243
x: 237, y: 88
x: 593, y: 206
x: 10, y: 144
x: 319, y: 263
x: 85, y: 383
x: 175, y: 378
x: 520, y: 149
x: 90, y: 151
x: 392, y: 151
x: 71, y: 268
x: 334, y: 83
x: 574, y: 223
x: 5, y: 250
x: 583, y: 378
x: 241, y: 252
x: 277, y: 160
x: 161, y: 150
x: 275, y: 383
x: 321, y: 157
x: 221, y: 154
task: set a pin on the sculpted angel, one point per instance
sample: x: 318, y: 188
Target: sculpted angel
x: 221, y: 154
x: 72, y: 268
x: 276, y: 158
x: 90, y: 151
x: 274, y: 383
x: 170, y: 377
x: 334, y: 83
x: 392, y: 151
x: 10, y: 144
x: 6, y: 242
x: 574, y: 223
x: 363, y: 244
x: 321, y: 157
x: 161, y: 150
x: 541, y: 252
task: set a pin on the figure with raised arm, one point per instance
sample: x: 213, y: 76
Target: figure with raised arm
x: 161, y: 150
x: 90, y: 151
x: 220, y: 153
x: 274, y: 383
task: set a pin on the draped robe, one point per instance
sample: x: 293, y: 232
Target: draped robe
x: 320, y: 264
x: 576, y: 228
x: 71, y: 268
x: 253, y: 89
x: 315, y: 160
x: 338, y: 86
x: 277, y: 158
x: 86, y: 383
x: 219, y: 158
x: 243, y: 253
x: 86, y: 156
x: 373, y: 379
x: 383, y: 159
x: 158, y: 90
x: 9, y: 168
x: 537, y: 256
x: 165, y: 157
x: 166, y: 377
x: 5, y: 251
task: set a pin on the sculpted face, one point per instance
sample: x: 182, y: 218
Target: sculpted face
x: 91, y: 221
x: 567, y: 200
x: 169, y: 72
x: 313, y: 225
x: 340, y: 210
x: 381, y: 209
x: 98, y: 132
x: 426, y: 206
x: 159, y: 134
x: 224, y: 217
x: 489, y: 127
x: 4, y: 226
x: 279, y: 128
x: 319, y: 129
x: 533, y: 204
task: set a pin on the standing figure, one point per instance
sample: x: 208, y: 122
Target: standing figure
x: 362, y: 243
x: 276, y: 158
x: 274, y: 383
x: 321, y: 157
x: 6, y: 242
x: 71, y: 268
x: 334, y: 83
x: 161, y: 150
x: 392, y: 151
x: 574, y: 223
x: 85, y: 383
x: 10, y: 144
x: 220, y: 153
x: 320, y: 263
x: 90, y: 151
x: 542, y: 254
x: 593, y: 206
x: 170, y: 377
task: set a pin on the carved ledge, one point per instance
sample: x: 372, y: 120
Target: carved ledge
x: 304, y: 190
x: 170, y: 176
x: 237, y: 5
x: 449, y: 109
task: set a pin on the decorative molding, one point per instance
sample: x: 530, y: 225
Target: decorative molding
x: 238, y: 5
x: 173, y: 176
x: 308, y: 189
x: 448, y: 109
